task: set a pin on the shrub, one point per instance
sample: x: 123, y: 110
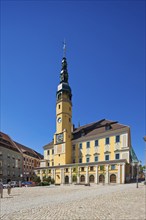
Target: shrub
x: 43, y: 184
x: 52, y: 181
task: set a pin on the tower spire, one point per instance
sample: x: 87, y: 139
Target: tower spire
x: 64, y: 72
x: 64, y: 48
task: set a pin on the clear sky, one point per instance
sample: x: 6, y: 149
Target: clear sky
x: 106, y: 65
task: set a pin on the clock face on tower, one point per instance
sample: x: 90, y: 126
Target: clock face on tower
x: 59, y: 120
x: 59, y: 138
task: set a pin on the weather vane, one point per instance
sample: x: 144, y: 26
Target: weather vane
x: 64, y: 48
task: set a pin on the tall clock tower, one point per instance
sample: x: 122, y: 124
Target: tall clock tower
x: 63, y: 136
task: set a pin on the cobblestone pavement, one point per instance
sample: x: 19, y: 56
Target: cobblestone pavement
x: 74, y: 202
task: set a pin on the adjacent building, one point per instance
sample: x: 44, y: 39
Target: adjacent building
x: 17, y: 162
x: 99, y: 152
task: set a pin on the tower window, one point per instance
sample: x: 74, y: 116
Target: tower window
x: 69, y: 120
x: 59, y: 106
x: 48, y: 152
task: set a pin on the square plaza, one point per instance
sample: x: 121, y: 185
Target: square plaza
x: 114, y: 201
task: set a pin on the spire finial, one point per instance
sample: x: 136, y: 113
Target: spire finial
x: 64, y: 48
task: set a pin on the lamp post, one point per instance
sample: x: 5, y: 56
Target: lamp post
x: 144, y: 138
x: 132, y: 164
x: 20, y: 182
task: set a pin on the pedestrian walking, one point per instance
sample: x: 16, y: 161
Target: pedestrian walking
x: 1, y: 190
x: 9, y: 188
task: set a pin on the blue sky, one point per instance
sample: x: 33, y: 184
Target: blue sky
x: 106, y: 65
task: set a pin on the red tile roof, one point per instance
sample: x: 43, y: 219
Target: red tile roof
x: 7, y: 142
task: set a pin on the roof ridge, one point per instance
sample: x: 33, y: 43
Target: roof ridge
x: 13, y: 143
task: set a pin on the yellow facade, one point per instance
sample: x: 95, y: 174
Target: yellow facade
x: 94, y: 153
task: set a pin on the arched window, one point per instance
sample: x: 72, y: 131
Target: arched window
x: 112, y: 178
x: 74, y: 178
x: 82, y: 178
x: 66, y: 179
x: 101, y: 178
x: 91, y: 179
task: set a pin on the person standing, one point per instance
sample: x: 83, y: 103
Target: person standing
x: 1, y: 190
x: 9, y: 188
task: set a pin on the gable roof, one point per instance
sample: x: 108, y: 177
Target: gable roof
x: 97, y: 128
x: 93, y: 129
x: 28, y: 151
x: 7, y: 142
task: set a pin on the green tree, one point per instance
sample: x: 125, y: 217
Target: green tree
x: 36, y: 179
x: 76, y: 173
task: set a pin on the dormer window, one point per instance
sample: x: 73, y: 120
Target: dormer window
x: 108, y: 127
x: 82, y: 133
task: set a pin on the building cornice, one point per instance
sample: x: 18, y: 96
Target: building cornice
x: 121, y: 161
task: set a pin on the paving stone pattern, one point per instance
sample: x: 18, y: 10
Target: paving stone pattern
x: 75, y: 202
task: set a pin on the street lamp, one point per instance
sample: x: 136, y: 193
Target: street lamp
x: 144, y: 138
x: 132, y: 164
x: 20, y: 182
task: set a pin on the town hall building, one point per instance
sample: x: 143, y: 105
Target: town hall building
x: 99, y: 152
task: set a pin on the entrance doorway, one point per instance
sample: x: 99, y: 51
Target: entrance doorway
x: 91, y: 179
x: 101, y: 178
x: 112, y: 178
x: 66, y: 179
x: 82, y: 178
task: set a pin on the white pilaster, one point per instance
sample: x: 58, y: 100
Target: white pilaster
x: 47, y: 171
x: 78, y: 175
x: 87, y: 175
x: 96, y: 174
x: 119, y: 173
x: 106, y: 174
x: 62, y: 176
x: 53, y: 174
x: 123, y: 173
x: 70, y: 175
